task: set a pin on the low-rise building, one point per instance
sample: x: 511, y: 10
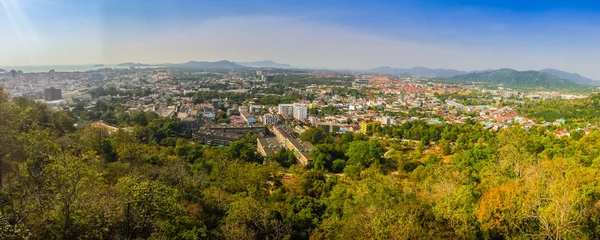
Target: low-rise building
x: 270, y: 119
x: 365, y: 127
x: 267, y: 146
x: 285, y: 135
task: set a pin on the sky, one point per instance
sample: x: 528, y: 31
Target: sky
x: 458, y: 34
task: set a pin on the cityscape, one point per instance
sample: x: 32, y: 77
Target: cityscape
x: 344, y: 102
x: 296, y: 120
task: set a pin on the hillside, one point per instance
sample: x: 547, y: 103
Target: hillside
x: 517, y: 79
x: 574, y: 77
x: 224, y: 64
x: 417, y: 71
x: 264, y: 64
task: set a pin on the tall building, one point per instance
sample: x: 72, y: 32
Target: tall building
x: 51, y: 94
x: 266, y: 78
x: 216, y: 103
x: 300, y: 111
x: 286, y: 109
x: 297, y: 110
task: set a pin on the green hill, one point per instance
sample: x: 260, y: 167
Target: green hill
x: 572, y: 77
x: 517, y: 79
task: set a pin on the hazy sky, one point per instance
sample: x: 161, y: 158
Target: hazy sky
x: 465, y: 35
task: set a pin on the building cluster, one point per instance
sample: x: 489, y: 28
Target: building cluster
x: 285, y: 137
x: 352, y: 103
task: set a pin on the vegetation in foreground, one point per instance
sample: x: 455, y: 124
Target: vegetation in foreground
x: 147, y: 181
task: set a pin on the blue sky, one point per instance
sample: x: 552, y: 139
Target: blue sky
x: 465, y: 35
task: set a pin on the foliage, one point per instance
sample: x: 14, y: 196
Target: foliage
x: 518, y: 79
x: 314, y: 135
x: 147, y: 181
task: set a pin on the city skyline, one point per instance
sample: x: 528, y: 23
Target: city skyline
x: 463, y: 35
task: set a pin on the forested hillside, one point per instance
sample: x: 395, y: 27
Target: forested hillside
x: 148, y: 180
x: 518, y: 79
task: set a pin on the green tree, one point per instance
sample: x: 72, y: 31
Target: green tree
x: 363, y: 153
x: 284, y: 157
x: 313, y: 135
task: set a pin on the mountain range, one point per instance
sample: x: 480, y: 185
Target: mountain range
x: 516, y: 79
x: 132, y: 64
x: 416, y: 71
x: 264, y: 64
x: 441, y: 73
x: 224, y: 64
x: 2, y: 70
x: 574, y: 77
x: 545, y: 78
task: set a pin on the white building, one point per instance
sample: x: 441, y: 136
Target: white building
x: 270, y: 119
x: 385, y: 120
x: 286, y: 109
x: 255, y: 108
x: 313, y: 120
x: 300, y: 111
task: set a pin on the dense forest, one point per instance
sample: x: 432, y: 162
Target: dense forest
x: 519, y: 80
x: 586, y: 109
x: 410, y: 181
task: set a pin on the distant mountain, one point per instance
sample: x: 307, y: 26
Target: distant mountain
x: 98, y: 65
x: 132, y: 64
x: 224, y: 64
x: 517, y: 79
x: 264, y: 64
x: 2, y: 70
x: 417, y: 71
x: 574, y: 77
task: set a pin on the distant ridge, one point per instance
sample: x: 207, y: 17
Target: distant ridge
x: 224, y: 64
x: 572, y: 76
x: 265, y: 64
x: 132, y: 64
x: 98, y: 65
x: 2, y: 70
x: 416, y: 71
x: 517, y: 79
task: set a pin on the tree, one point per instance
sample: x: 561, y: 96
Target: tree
x: 363, y: 153
x: 284, y: 157
x: 244, y: 151
x: 73, y: 181
x: 313, y: 135
x: 9, y: 136
x: 338, y: 166
x: 446, y: 147
x: 323, y: 155
x: 513, y: 151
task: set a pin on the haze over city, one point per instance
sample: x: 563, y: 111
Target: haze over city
x: 465, y: 35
